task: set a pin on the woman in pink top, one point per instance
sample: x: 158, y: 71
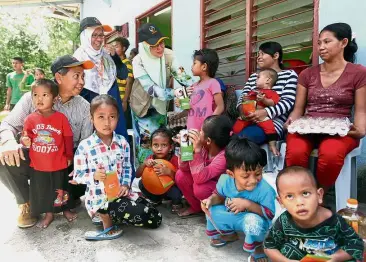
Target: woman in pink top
x: 330, y: 89
x: 197, y: 179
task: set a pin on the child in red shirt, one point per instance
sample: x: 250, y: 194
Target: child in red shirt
x: 264, y: 96
x: 163, y: 148
x: 49, y: 137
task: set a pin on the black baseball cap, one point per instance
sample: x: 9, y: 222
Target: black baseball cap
x: 150, y: 34
x: 93, y: 22
x: 68, y: 61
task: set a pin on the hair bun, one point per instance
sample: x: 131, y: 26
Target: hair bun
x: 352, y: 46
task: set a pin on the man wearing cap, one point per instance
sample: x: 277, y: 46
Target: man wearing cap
x: 14, y: 172
x: 151, y: 90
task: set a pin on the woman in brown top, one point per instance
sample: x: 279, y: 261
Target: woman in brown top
x: 330, y: 89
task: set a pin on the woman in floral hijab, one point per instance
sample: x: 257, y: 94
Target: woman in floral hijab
x: 102, y: 78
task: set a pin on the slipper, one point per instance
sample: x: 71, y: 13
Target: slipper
x: 220, y: 242
x: 257, y: 257
x: 108, y: 234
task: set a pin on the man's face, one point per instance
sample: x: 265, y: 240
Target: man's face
x: 72, y: 82
x: 17, y: 65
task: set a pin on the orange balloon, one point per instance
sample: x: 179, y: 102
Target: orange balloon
x: 157, y: 185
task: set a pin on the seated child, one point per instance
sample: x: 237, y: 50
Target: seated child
x: 48, y: 135
x: 264, y: 96
x: 163, y: 148
x: 102, y: 162
x: 307, y: 227
x: 243, y: 200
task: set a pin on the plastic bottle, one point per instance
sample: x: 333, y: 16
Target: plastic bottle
x: 354, y: 218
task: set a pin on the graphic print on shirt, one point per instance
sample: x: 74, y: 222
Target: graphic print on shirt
x: 44, y: 142
x: 196, y: 97
x: 318, y: 247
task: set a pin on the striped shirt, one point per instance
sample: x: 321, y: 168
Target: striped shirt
x: 122, y: 83
x: 77, y: 111
x: 286, y: 89
x: 93, y: 154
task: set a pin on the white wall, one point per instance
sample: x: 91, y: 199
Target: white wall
x: 120, y: 12
x: 351, y: 12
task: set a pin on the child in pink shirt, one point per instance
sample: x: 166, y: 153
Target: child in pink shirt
x: 197, y: 178
x: 206, y: 99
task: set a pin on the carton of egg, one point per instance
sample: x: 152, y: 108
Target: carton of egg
x: 320, y: 125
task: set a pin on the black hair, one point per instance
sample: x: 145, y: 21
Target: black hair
x: 218, y: 129
x: 18, y: 58
x: 40, y: 70
x: 135, y: 50
x: 271, y: 48
x: 295, y: 169
x: 271, y: 74
x: 209, y: 57
x: 342, y: 31
x: 47, y: 83
x: 164, y: 132
x: 245, y: 154
x: 123, y: 42
x: 103, y: 99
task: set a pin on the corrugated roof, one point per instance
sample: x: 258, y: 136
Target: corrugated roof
x: 36, y: 2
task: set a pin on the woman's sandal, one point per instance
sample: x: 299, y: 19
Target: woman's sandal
x: 108, y: 234
x: 257, y: 257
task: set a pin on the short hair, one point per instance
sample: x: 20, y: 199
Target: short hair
x: 123, y: 42
x: 164, y: 132
x: 245, y: 154
x: 209, y: 57
x: 295, y: 169
x: 272, y: 74
x: 47, y: 83
x: 18, y: 58
x: 40, y: 70
x: 135, y: 50
x: 103, y: 99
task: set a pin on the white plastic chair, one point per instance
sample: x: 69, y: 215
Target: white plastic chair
x: 346, y: 184
x: 272, y: 161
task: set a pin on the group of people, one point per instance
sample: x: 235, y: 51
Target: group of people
x: 78, y: 121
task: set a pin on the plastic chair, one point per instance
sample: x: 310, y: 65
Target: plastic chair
x: 346, y: 184
x: 272, y: 161
x: 133, y: 151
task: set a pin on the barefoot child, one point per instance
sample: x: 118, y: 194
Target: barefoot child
x: 265, y: 97
x: 48, y: 136
x: 243, y: 200
x: 102, y: 162
x: 163, y: 148
x: 307, y: 227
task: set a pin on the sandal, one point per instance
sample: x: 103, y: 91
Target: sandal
x: 257, y: 257
x: 108, y: 234
x: 223, y: 240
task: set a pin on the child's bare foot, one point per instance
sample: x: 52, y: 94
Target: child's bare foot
x: 258, y: 255
x: 273, y: 148
x: 70, y: 216
x: 46, y: 221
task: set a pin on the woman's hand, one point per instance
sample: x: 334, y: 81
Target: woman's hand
x: 237, y: 205
x: 194, y: 137
x: 355, y: 132
x: 257, y: 116
x: 11, y: 153
x: 288, y: 122
x: 124, y: 191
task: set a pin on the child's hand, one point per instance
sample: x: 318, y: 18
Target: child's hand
x: 237, y: 205
x: 177, y: 102
x: 72, y: 182
x: 124, y: 191
x: 69, y: 162
x: 160, y: 169
x: 149, y: 162
x: 287, y: 123
x: 194, y: 137
x: 260, y: 97
x: 206, y: 204
x: 25, y: 140
x: 100, y: 175
x: 189, y: 90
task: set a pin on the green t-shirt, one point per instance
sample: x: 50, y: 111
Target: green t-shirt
x: 322, y: 240
x: 13, y: 81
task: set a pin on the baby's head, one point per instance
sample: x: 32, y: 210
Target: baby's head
x: 162, y: 143
x: 44, y: 92
x: 266, y: 78
x: 104, y: 113
x: 245, y: 161
x: 298, y: 193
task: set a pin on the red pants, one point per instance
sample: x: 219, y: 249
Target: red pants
x: 194, y: 193
x: 332, y: 151
x: 267, y: 126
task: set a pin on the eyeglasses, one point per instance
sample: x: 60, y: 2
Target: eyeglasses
x: 98, y: 36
